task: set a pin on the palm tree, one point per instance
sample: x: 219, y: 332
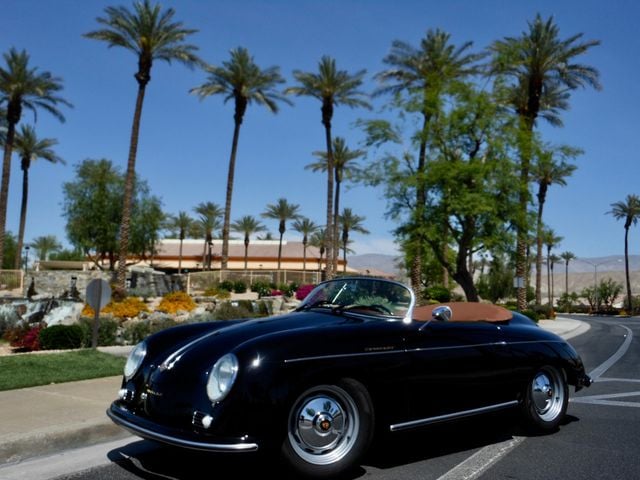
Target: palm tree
x: 30, y: 148
x: 182, y: 224
x: 306, y: 227
x: 243, y: 81
x: 151, y: 34
x: 318, y: 239
x: 282, y: 211
x: 567, y: 257
x: 552, y: 261
x: 629, y: 210
x: 538, y: 71
x: 425, y: 73
x: 22, y: 87
x: 350, y: 222
x: 549, y: 170
x: 46, y: 245
x: 333, y: 88
x: 550, y: 240
x: 344, y: 166
x: 209, y: 214
x: 247, y: 225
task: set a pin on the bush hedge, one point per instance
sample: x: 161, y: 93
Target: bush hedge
x: 61, y: 337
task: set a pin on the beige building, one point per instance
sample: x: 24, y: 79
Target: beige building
x: 261, y: 255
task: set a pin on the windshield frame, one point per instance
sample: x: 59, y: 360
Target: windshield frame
x: 318, y: 297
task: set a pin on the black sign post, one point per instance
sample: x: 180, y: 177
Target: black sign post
x: 98, y: 295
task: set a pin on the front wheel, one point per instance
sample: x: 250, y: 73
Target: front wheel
x: 329, y: 429
x: 545, y: 400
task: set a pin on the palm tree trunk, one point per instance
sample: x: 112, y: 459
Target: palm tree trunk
x: 304, y: 261
x: 128, y: 188
x: 23, y: 213
x: 330, y: 248
x: 227, y: 204
x: 626, y: 272
x: 539, y: 250
x: 566, y: 278
x: 421, y: 199
x: 280, y: 252
x: 180, y: 258
x: 549, y: 278
x: 4, y: 184
x: 344, y: 257
x: 246, y: 252
x: 336, y: 214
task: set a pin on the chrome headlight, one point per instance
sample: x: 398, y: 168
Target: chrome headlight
x: 222, y: 376
x: 135, y: 360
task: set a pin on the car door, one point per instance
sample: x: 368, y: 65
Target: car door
x: 456, y: 367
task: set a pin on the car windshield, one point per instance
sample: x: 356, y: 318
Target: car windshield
x: 371, y: 296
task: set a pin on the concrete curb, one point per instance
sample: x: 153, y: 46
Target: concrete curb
x: 41, y: 443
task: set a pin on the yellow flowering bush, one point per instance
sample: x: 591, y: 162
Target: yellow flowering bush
x: 176, y: 301
x: 127, y: 308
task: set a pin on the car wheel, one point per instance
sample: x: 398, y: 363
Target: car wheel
x: 329, y: 429
x: 545, y: 400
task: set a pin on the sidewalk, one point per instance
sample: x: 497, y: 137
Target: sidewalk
x: 48, y: 419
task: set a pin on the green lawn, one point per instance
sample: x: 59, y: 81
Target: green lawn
x: 19, y: 371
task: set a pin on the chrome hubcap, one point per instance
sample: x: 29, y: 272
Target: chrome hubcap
x: 547, y: 395
x: 323, y: 425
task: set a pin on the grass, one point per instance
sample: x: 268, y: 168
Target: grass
x: 20, y: 371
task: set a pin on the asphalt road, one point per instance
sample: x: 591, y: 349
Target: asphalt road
x: 599, y: 439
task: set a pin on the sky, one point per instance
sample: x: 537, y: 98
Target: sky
x: 185, y: 143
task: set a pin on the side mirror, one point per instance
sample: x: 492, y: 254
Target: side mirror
x: 442, y: 314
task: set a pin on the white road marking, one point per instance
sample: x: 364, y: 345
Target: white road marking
x: 595, y: 374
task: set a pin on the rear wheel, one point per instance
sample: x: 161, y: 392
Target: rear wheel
x: 545, y: 400
x: 329, y: 429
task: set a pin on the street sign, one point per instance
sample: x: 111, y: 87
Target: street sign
x: 98, y: 294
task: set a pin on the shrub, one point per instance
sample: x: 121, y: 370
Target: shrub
x: 226, y: 311
x: 532, y: 314
x: 239, y: 286
x: 226, y: 285
x: 61, y: 337
x: 263, y: 289
x: 438, y: 293
x: 130, y: 307
x: 24, y: 337
x: 303, y: 291
x: 107, y: 331
x: 223, y: 294
x: 175, y: 301
x: 135, y: 332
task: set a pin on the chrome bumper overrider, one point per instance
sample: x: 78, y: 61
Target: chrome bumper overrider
x: 118, y: 417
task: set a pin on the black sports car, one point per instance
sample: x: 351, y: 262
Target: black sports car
x: 355, y: 358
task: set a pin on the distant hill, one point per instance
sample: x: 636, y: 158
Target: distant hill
x: 375, y: 261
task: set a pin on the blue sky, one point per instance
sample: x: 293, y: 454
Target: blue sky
x: 185, y: 143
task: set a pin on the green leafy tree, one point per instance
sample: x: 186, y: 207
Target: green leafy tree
x: 629, y: 211
x: 245, y: 82
x: 282, y: 211
x: 349, y: 222
x: 180, y: 225
x: 45, y: 246
x: 247, y: 226
x: 536, y: 73
x: 150, y: 34
x: 306, y: 227
x: 333, y: 88
x: 497, y: 284
x: 149, y: 221
x: 551, y: 167
x: 209, y: 214
x: 22, y: 87
x: 608, y: 292
x: 424, y: 75
x: 92, y: 206
x: 29, y: 148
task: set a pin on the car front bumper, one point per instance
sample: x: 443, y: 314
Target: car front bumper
x: 151, y: 431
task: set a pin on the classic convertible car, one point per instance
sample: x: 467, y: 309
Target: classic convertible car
x: 356, y: 358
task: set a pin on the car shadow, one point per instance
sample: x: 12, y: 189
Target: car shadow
x: 151, y: 461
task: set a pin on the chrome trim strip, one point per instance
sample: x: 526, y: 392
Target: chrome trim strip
x: 449, y: 347
x: 451, y: 416
x: 178, y: 442
x: 342, y: 355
